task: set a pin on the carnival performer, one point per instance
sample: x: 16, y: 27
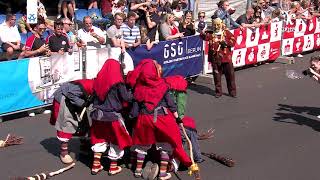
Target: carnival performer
x: 178, y: 88
x: 69, y: 100
x: 108, y: 128
x: 221, y: 40
x: 156, y: 113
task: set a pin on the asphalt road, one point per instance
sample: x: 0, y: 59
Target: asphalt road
x: 270, y: 130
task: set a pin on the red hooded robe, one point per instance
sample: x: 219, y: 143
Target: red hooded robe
x: 113, y: 132
x: 150, y: 89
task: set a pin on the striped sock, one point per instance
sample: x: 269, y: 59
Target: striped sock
x: 113, y: 166
x: 64, y: 149
x: 140, y: 159
x: 96, y: 161
x: 163, y: 164
x: 133, y: 157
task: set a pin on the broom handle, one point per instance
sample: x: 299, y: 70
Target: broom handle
x: 82, y: 113
x: 189, y: 142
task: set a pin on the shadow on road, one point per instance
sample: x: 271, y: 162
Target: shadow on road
x: 293, y: 115
x: 52, y: 145
x: 201, y: 89
x: 313, y: 111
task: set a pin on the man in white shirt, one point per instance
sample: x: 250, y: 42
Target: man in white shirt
x: 90, y: 33
x: 10, y: 38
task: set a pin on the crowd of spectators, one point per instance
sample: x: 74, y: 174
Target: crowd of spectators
x: 134, y: 22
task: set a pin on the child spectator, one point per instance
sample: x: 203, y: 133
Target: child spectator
x: 201, y: 25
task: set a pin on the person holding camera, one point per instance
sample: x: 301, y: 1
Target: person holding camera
x: 221, y: 40
x: 153, y: 20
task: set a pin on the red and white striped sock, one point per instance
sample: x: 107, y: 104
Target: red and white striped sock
x: 64, y: 149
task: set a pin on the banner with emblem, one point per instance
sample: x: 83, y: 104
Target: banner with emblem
x: 255, y: 45
x: 300, y: 35
x: 32, y: 11
x: 31, y: 82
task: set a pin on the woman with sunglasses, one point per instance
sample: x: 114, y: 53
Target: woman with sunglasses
x: 201, y: 25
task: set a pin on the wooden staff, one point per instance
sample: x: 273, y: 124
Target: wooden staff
x: 44, y: 176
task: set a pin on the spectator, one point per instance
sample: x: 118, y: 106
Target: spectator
x: 293, y: 12
x: 275, y: 4
x: 73, y: 39
x: 140, y: 8
x: 164, y: 8
x: 224, y: 15
x: 168, y: 30
x: 187, y: 25
x: 131, y: 32
x: 106, y: 8
x: 115, y: 34
x: 276, y: 15
x: 91, y: 34
x: 42, y: 13
x: 35, y: 44
x: 153, y: 21
x: 305, y: 9
x: 145, y: 39
x: 23, y: 26
x: 68, y: 6
x: 266, y: 10
x: 120, y: 7
x: 247, y: 19
x: 93, y: 4
x: 58, y: 42
x: 177, y: 11
x: 257, y: 14
x: 10, y: 38
x: 201, y: 25
x: 191, y: 5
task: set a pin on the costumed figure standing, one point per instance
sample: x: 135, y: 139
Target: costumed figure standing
x: 69, y: 100
x: 157, y: 118
x: 108, y: 128
x: 221, y: 40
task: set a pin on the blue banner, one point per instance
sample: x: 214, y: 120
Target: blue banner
x: 15, y: 92
x: 178, y: 57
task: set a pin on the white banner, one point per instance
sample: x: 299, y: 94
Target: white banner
x: 32, y: 11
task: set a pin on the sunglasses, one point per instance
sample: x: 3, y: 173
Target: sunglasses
x: 201, y: 16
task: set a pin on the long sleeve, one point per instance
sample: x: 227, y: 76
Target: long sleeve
x: 170, y: 102
x: 125, y: 94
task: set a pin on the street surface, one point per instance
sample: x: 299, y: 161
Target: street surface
x: 270, y: 130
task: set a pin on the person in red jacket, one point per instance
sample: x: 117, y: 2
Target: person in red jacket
x: 221, y: 40
x: 157, y: 118
x: 69, y: 100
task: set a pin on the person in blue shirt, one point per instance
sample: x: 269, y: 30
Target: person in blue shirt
x: 223, y: 13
